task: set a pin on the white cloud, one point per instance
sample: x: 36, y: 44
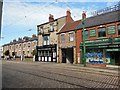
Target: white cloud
x: 22, y: 13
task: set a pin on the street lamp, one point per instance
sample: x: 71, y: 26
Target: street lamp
x: 83, y: 27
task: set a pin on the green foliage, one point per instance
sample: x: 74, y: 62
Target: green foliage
x: 34, y: 52
x: 7, y: 52
x: 13, y: 53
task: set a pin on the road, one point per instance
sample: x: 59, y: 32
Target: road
x: 51, y: 75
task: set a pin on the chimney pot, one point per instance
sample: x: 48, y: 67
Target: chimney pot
x: 84, y: 14
x: 51, y: 18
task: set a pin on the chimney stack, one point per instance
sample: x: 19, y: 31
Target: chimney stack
x: 51, y: 18
x: 68, y: 16
x: 84, y: 15
x: 34, y: 36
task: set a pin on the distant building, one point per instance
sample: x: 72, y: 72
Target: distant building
x: 48, y: 39
x: 22, y: 46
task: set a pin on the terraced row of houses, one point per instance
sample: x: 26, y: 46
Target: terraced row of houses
x: 61, y: 40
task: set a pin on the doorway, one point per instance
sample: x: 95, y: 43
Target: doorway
x: 67, y: 55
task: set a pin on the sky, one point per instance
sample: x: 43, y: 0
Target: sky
x: 21, y: 17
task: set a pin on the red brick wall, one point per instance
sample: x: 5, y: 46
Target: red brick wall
x: 78, y: 41
x: 79, y: 35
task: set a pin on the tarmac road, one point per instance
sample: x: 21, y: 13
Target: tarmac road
x: 52, y: 75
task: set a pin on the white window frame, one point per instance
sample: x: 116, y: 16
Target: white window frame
x: 71, y: 38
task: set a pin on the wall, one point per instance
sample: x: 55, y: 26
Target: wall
x: 79, y: 36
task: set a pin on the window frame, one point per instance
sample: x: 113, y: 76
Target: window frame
x: 51, y: 28
x: 101, y: 30
x: 90, y: 33
x: 62, y: 36
x: 46, y: 42
x: 73, y: 36
x: 108, y: 30
x: 40, y: 30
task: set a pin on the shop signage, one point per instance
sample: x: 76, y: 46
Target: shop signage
x: 93, y: 33
x: 98, y: 41
x: 111, y: 30
x: 117, y: 49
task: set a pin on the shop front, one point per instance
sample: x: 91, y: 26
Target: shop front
x: 47, y: 53
x: 102, y: 51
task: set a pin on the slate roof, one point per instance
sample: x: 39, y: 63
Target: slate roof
x: 69, y: 26
x: 101, y: 19
x: 21, y: 40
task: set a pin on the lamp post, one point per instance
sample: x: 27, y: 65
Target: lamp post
x: 83, y: 27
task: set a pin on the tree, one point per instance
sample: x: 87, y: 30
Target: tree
x: 7, y: 52
x: 13, y: 53
x: 34, y: 52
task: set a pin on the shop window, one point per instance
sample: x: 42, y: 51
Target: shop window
x: 62, y: 38
x: 119, y: 29
x: 92, y: 32
x: 111, y: 29
x: 46, y: 40
x: 71, y: 36
x: 101, y: 32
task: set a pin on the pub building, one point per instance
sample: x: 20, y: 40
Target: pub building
x: 47, y: 48
x: 102, y: 39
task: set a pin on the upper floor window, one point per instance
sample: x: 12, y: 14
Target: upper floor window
x: 101, y: 32
x: 51, y: 28
x: 24, y: 45
x: 10, y: 47
x: 111, y: 29
x: 20, y: 46
x: 29, y: 44
x: 71, y: 36
x: 40, y: 30
x: 92, y: 32
x: 16, y: 46
x: 119, y: 29
x: 62, y: 38
x: 46, y: 40
x: 86, y: 34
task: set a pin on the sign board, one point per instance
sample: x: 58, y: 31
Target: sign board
x: 117, y: 49
x: 93, y: 33
x: 111, y: 30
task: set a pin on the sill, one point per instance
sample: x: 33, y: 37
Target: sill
x: 101, y: 37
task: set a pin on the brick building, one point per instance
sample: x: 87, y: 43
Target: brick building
x: 22, y: 46
x: 48, y: 39
x: 67, y: 42
x: 102, y: 39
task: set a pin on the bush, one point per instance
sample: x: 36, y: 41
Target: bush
x: 7, y: 52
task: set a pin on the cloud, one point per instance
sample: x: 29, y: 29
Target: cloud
x: 19, y: 16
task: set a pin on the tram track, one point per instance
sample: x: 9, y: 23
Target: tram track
x: 55, y: 73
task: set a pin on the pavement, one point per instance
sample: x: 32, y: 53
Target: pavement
x: 20, y: 74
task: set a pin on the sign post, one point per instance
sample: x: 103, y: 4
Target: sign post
x: 83, y: 27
